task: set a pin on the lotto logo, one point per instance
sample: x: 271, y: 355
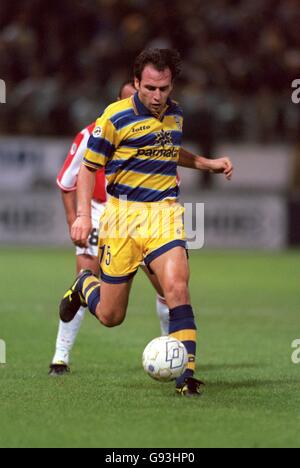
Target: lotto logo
x: 2, y: 352
x: 2, y: 92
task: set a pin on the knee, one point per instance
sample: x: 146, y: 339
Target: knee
x: 112, y: 320
x: 177, y: 291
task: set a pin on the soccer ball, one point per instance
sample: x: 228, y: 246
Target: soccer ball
x: 165, y: 358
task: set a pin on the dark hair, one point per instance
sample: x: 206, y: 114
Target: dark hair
x: 161, y: 59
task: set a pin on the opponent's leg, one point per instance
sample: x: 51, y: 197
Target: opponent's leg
x: 163, y: 313
x: 172, y: 271
x: 67, y: 332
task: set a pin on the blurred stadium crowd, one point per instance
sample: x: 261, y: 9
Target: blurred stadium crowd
x: 63, y: 62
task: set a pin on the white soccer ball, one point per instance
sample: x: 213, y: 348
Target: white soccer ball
x: 165, y: 358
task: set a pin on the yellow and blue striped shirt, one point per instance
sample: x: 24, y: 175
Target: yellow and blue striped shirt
x: 140, y: 151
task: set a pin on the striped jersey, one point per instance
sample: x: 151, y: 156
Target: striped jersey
x: 67, y: 178
x: 140, y: 151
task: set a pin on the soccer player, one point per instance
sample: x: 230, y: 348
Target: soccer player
x: 87, y: 257
x: 138, y: 141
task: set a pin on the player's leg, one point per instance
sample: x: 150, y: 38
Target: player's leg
x: 88, y: 262
x: 120, y: 257
x: 67, y: 332
x: 172, y: 271
x: 87, y: 259
x: 161, y: 304
x: 106, y: 300
x: 112, y: 308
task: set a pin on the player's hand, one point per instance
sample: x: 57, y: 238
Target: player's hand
x: 70, y: 222
x: 81, y: 231
x: 222, y: 166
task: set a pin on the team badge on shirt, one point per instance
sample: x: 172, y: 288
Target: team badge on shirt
x: 164, y: 139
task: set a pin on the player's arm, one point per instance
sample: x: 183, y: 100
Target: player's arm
x: 69, y: 202
x: 67, y: 177
x: 217, y: 166
x: 100, y: 149
x: 82, y: 227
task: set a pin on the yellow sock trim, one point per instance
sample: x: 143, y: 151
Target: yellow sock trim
x: 185, y: 335
x: 87, y: 284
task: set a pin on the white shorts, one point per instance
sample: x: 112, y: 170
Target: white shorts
x: 92, y: 249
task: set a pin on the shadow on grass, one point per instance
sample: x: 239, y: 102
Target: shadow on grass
x: 247, y: 384
x: 243, y: 365
x: 214, y: 367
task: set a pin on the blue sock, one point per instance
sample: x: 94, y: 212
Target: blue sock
x: 183, y: 327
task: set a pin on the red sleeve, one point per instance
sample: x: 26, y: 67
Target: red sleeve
x: 67, y: 178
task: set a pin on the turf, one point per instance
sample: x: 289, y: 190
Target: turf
x: 247, y: 307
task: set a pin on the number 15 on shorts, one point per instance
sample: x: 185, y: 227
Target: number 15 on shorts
x: 105, y: 253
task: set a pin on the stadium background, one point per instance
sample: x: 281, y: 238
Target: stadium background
x: 63, y: 62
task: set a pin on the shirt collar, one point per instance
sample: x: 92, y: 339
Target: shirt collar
x: 140, y: 109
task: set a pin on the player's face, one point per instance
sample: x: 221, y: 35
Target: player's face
x: 154, y: 88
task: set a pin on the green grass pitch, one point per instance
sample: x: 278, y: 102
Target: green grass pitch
x: 247, y: 307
